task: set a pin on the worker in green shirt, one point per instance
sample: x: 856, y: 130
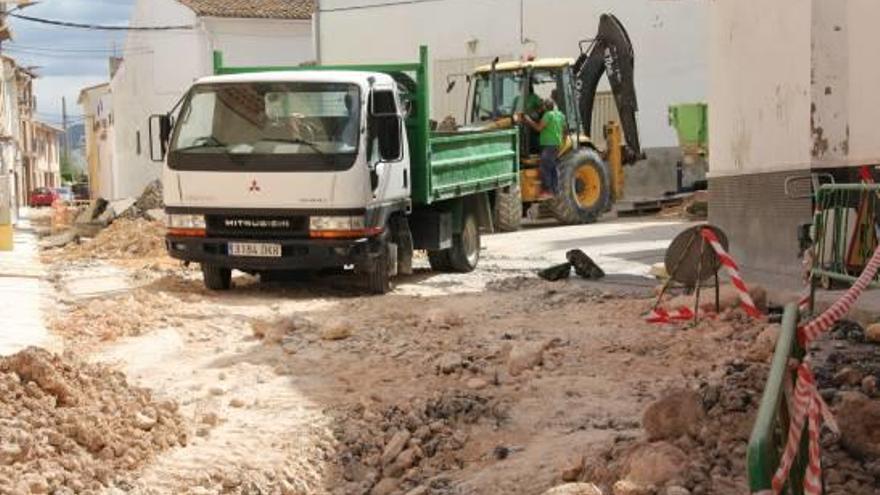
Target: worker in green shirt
x: 551, y: 128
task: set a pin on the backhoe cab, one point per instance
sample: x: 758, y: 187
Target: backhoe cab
x: 590, y: 180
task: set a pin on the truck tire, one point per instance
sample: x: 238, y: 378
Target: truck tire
x: 508, y: 209
x: 465, y: 252
x: 216, y: 277
x: 584, y: 189
x: 439, y: 260
x: 377, y: 273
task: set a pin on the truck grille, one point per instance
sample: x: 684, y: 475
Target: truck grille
x: 251, y: 227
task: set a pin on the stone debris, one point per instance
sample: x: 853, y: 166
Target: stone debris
x: 70, y: 427
x: 107, y: 319
x: 151, y: 197
x: 395, y: 450
x: 339, y: 330
x: 574, y: 489
x: 525, y: 356
x: 678, y: 413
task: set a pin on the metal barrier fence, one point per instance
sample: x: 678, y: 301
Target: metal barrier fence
x: 845, y: 232
x: 770, y: 431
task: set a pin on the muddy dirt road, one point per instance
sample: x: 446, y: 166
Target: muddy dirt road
x: 488, y: 383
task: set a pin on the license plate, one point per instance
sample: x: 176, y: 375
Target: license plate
x: 256, y: 250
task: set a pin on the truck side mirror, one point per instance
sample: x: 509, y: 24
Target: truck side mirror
x: 160, y: 126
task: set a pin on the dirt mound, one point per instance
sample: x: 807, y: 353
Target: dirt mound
x: 107, y: 319
x: 69, y: 427
x: 401, y: 447
x: 124, y: 238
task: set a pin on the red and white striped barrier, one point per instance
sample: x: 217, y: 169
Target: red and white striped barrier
x: 842, y: 306
x: 733, y: 270
x: 806, y: 403
x: 660, y: 315
x: 806, y: 406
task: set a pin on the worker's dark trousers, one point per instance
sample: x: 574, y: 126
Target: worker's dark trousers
x: 549, y: 169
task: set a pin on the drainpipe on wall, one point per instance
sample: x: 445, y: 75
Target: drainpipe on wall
x: 316, y: 28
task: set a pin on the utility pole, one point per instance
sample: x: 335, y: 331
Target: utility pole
x: 66, y: 142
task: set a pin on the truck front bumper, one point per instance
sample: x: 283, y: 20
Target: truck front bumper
x: 296, y: 254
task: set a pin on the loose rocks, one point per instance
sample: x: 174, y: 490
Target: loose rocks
x: 69, y: 427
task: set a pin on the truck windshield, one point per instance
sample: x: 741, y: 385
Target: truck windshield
x: 268, y: 126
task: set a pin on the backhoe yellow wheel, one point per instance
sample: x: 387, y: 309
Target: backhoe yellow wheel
x: 587, y: 186
x: 584, y: 188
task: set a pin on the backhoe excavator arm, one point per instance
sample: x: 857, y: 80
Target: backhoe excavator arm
x: 610, y: 53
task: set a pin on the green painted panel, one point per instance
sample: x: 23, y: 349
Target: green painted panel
x: 473, y: 162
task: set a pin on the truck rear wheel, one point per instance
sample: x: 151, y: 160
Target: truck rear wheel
x: 465, y: 252
x: 216, y: 277
x: 508, y: 209
x: 584, y: 190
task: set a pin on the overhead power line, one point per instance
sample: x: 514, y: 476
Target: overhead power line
x: 378, y: 5
x: 99, y: 27
x: 53, y: 49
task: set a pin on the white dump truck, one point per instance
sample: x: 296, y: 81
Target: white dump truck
x: 278, y: 169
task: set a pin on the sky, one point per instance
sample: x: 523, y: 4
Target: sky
x: 67, y: 59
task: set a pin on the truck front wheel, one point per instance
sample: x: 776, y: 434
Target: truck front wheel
x: 465, y: 252
x: 216, y: 277
x: 377, y: 273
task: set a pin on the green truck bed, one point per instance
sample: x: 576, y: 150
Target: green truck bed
x: 443, y: 165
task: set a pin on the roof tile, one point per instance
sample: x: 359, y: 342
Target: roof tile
x: 259, y: 9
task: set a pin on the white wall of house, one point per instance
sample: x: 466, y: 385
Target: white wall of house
x: 97, y: 104
x: 793, y: 88
x: 669, y: 38
x: 759, y: 101
x: 160, y: 66
x: 10, y: 156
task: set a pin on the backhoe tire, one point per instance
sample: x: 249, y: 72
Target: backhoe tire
x: 584, y: 189
x: 508, y: 209
x: 439, y: 260
x: 465, y: 253
x: 216, y: 277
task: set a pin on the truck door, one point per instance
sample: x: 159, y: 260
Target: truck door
x: 388, y: 148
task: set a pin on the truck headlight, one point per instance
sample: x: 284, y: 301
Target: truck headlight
x: 186, y: 225
x: 175, y: 221
x: 340, y: 227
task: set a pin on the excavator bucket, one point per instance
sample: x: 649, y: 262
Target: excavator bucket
x: 610, y: 53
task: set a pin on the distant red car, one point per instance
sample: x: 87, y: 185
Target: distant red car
x: 43, y: 196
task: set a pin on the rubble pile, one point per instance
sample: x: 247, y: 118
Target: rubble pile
x: 124, y: 238
x: 108, y: 319
x: 847, y: 367
x: 406, y: 447
x: 695, y: 440
x: 67, y: 427
x: 100, y: 214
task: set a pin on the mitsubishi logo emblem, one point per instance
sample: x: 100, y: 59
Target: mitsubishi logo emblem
x: 254, y: 186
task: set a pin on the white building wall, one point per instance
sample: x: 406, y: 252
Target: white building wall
x: 156, y: 70
x: 759, y: 101
x: 159, y: 67
x: 669, y: 38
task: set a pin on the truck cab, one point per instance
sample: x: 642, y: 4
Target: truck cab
x: 323, y: 168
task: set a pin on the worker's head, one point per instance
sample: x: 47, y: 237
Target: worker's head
x: 549, y: 104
